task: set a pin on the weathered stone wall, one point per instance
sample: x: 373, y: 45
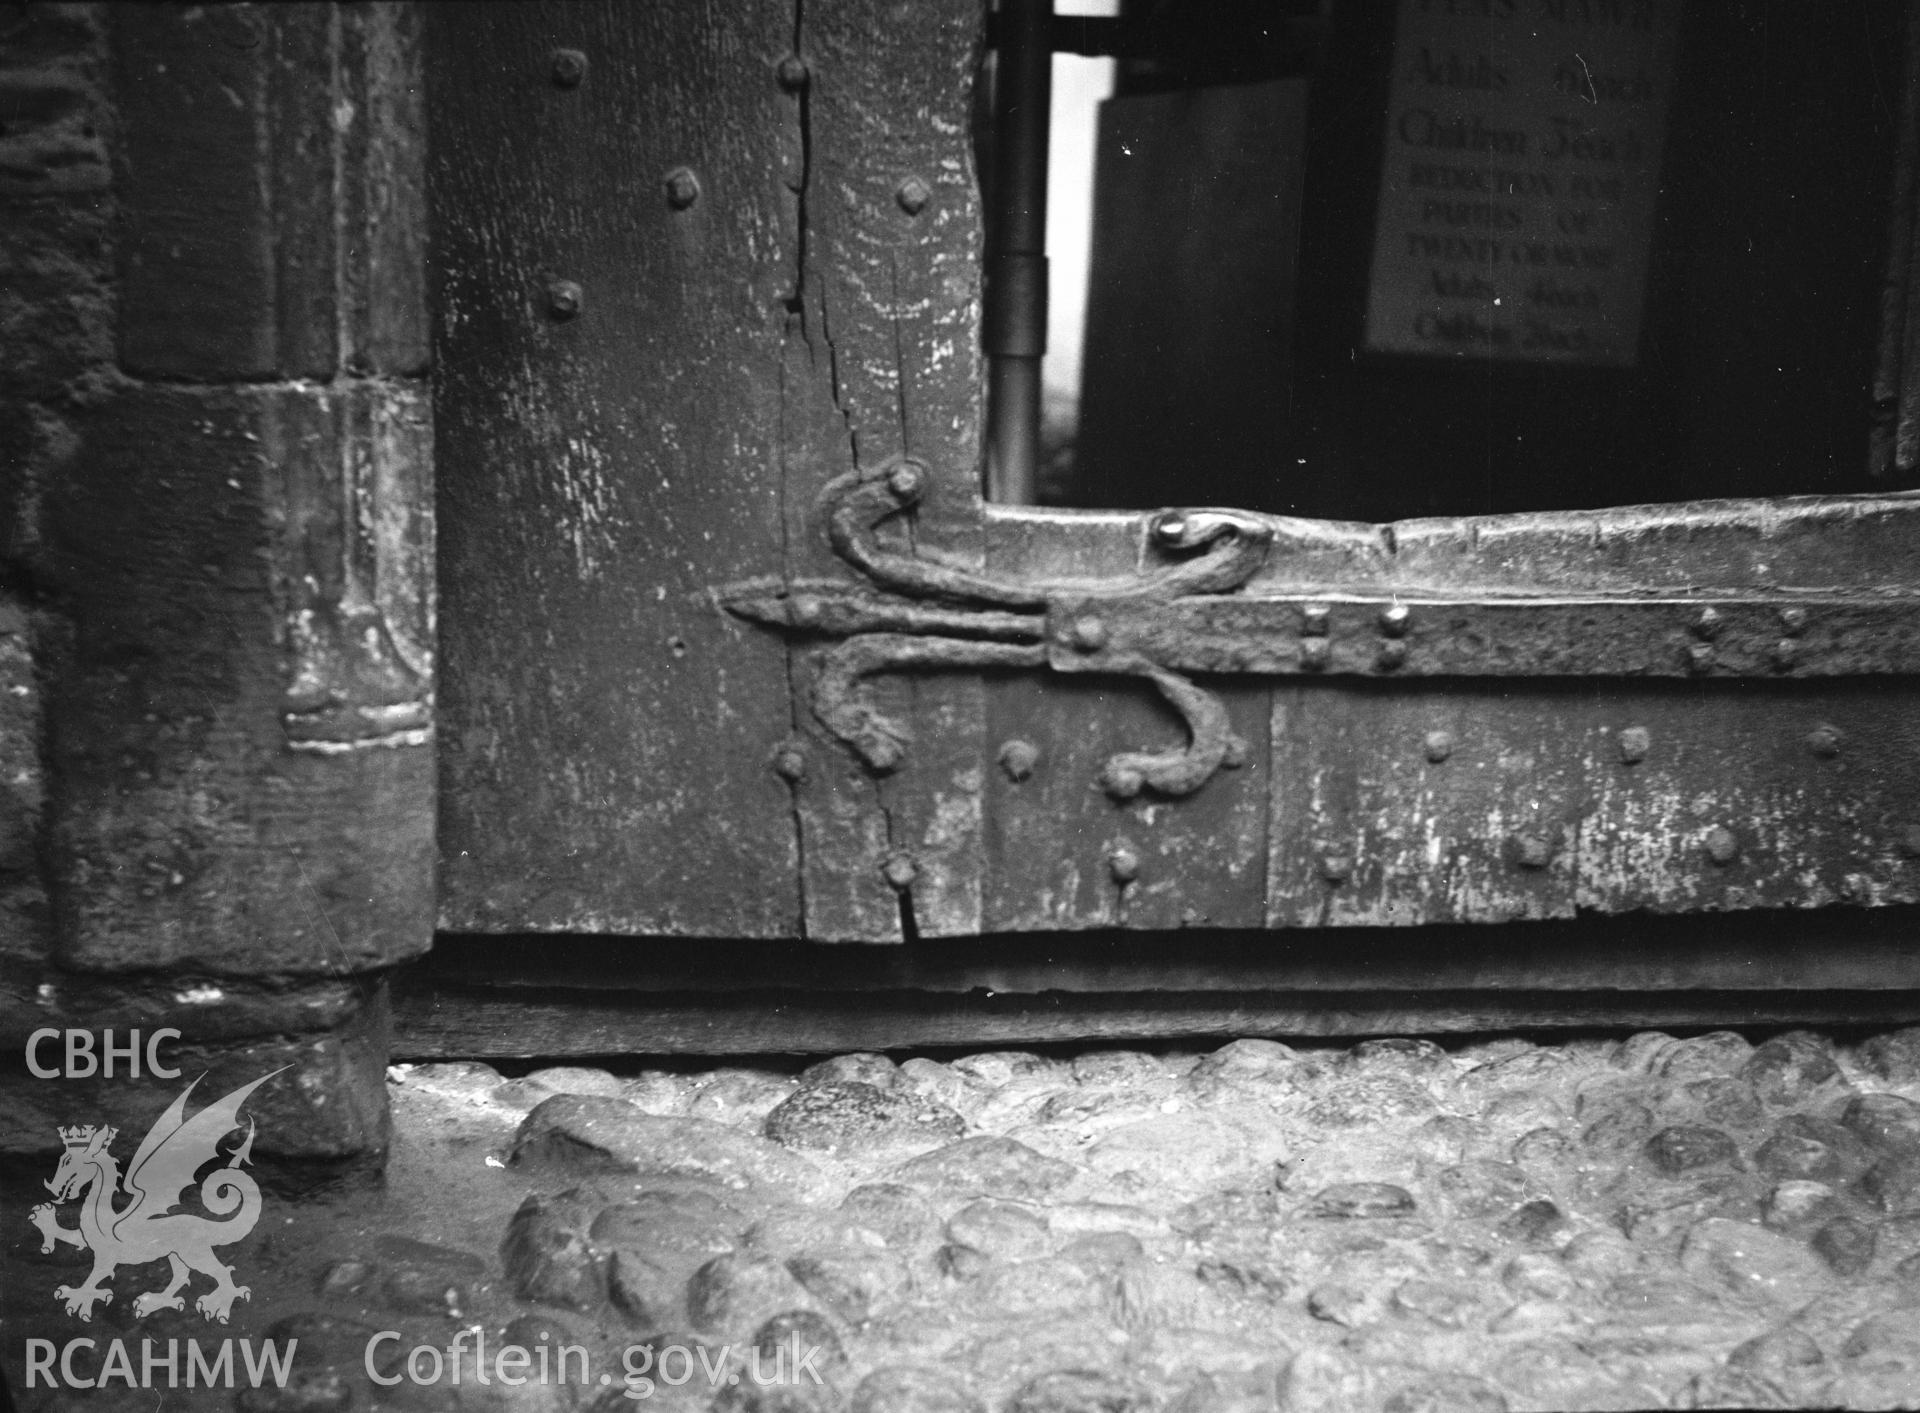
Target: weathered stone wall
x: 216, y: 780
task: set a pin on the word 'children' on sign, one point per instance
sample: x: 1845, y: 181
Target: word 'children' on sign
x: 1523, y: 160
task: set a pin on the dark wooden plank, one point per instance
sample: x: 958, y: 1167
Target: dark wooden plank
x: 1777, y: 796
x: 1050, y: 832
x: 1064, y: 855
x: 1367, y: 829
x: 608, y: 732
x: 884, y: 362
x: 444, y: 1024
x: 1603, y: 795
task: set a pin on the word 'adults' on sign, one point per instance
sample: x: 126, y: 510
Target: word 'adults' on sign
x: 1523, y: 144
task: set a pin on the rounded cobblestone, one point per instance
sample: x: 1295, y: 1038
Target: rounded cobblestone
x: 1259, y: 1228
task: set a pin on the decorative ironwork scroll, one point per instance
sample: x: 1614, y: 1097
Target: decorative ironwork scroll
x: 916, y: 613
x: 1198, y: 611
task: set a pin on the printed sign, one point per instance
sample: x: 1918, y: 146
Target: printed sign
x: 1522, y: 165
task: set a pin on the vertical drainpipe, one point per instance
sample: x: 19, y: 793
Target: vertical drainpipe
x: 1016, y: 275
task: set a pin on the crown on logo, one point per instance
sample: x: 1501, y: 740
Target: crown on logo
x: 77, y: 1137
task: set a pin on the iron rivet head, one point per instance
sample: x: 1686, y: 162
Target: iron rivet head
x: 899, y: 870
x: 1786, y: 653
x: 1529, y: 850
x: 1722, y: 847
x: 1634, y: 743
x: 1910, y: 841
x: 1708, y: 624
x: 1315, y: 654
x: 803, y: 610
x: 1235, y: 754
x: 1124, y: 865
x: 1170, y: 528
x: 792, y: 73
x: 565, y: 299
x: 913, y: 195
x: 1699, y: 657
x: 1314, y: 619
x: 1335, y: 867
x: 905, y: 480
x: 1792, y: 621
x: 790, y: 764
x: 1393, y: 655
x: 1122, y: 782
x: 568, y: 67
x: 1089, y: 634
x: 1394, y: 620
x: 1824, y: 741
x: 883, y: 755
x: 1439, y: 745
x: 683, y: 188
x: 1018, y: 758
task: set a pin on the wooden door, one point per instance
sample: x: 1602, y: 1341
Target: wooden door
x: 732, y: 648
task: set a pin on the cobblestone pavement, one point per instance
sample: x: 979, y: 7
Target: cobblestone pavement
x: 1601, y: 1224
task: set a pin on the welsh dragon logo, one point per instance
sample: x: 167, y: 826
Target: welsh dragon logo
x: 148, y: 1228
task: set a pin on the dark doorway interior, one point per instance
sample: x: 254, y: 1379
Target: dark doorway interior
x: 1755, y: 359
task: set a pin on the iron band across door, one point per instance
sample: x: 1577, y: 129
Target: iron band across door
x: 1192, y: 614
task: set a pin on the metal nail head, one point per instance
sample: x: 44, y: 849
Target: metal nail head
x: 1089, y: 634
x: 683, y: 188
x: 1018, y: 758
x: 565, y: 299
x: 1722, y: 847
x: 1124, y: 865
x: 1529, y: 850
x: 790, y: 764
x: 568, y: 68
x: 906, y: 480
x: 1438, y: 745
x: 913, y: 194
x: 900, y: 870
x: 793, y: 73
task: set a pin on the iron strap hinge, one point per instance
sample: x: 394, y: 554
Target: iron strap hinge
x: 1191, y: 614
